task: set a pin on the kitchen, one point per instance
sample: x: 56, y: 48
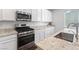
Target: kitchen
x: 33, y: 29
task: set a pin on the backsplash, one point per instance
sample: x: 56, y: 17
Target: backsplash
x: 33, y: 23
x: 6, y: 25
x: 10, y: 24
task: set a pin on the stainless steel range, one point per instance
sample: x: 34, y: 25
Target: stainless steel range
x: 25, y: 37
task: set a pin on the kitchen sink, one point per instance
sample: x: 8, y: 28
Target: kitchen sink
x: 65, y: 36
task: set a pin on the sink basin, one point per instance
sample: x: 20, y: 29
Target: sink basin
x: 65, y: 36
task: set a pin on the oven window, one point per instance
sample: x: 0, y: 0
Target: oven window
x: 25, y: 40
x: 23, y: 16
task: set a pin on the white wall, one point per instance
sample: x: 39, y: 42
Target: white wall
x: 58, y: 19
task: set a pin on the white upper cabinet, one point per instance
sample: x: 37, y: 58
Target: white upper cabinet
x: 42, y: 15
x: 28, y: 10
x: 0, y: 14
x: 8, y: 14
x: 25, y: 10
x: 36, y: 15
x: 46, y: 15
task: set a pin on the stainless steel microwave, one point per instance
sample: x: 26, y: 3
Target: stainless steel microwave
x: 23, y: 16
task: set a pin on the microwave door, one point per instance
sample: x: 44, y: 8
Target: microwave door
x: 23, y: 17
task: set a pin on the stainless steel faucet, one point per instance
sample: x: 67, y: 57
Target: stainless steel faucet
x: 75, y: 25
x: 70, y: 24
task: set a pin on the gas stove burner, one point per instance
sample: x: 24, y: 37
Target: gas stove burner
x: 23, y: 29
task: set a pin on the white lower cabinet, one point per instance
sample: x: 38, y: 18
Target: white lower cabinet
x: 43, y: 33
x: 49, y: 31
x: 39, y: 35
x: 9, y: 44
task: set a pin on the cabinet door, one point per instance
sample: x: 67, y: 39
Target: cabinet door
x: 36, y: 15
x: 49, y: 31
x: 2, y: 46
x: 0, y: 14
x: 25, y: 10
x: 46, y: 15
x: 42, y: 35
x: 39, y: 15
x: 28, y: 10
x: 9, y: 14
x: 49, y: 16
x: 37, y: 37
x: 10, y: 44
x: 46, y: 33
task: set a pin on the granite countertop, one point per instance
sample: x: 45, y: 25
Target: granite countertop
x: 7, y: 32
x: 53, y: 43
x: 40, y: 27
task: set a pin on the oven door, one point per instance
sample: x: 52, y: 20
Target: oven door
x: 25, y: 40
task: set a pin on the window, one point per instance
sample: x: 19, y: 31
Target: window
x: 71, y: 16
